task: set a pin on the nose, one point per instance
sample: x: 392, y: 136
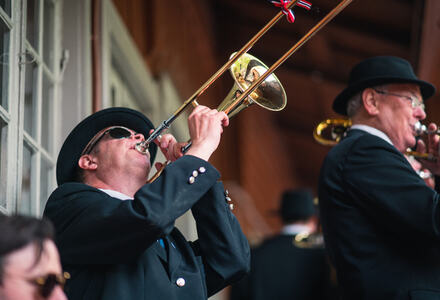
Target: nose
x: 58, y: 294
x: 419, y: 113
x: 139, y: 136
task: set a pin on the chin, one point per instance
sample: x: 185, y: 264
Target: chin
x: 413, y: 141
x: 410, y: 142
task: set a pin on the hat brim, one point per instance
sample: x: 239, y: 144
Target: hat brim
x: 67, y: 162
x: 340, y: 103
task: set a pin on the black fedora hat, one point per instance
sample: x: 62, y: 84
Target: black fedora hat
x: 67, y: 162
x: 296, y: 204
x: 376, y: 71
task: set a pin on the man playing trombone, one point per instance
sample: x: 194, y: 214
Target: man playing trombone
x: 381, y: 222
x: 116, y: 233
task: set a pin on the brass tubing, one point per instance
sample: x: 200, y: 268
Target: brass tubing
x: 292, y: 50
x: 165, y: 124
x: 237, y: 55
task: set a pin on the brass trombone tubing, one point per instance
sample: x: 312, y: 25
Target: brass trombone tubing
x: 292, y: 50
x: 335, y: 11
x: 166, y: 124
x: 427, y: 156
x: 317, y: 133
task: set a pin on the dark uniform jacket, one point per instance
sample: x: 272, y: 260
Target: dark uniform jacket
x: 111, y: 249
x: 380, y: 221
x: 282, y: 271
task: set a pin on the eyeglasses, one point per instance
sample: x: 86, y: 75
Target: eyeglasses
x: 47, y: 283
x: 115, y: 132
x: 414, y: 101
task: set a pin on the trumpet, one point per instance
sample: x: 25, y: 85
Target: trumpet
x: 338, y: 127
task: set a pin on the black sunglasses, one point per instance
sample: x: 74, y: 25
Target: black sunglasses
x: 47, y: 283
x: 115, y: 132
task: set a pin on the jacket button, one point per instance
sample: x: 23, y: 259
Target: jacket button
x: 202, y: 170
x: 195, y: 173
x: 180, y: 282
x: 191, y: 180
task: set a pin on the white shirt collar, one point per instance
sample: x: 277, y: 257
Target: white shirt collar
x: 294, y: 229
x: 373, y: 131
x: 116, y: 194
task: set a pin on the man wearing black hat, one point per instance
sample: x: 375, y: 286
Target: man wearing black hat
x: 287, y: 266
x: 116, y: 234
x: 380, y: 220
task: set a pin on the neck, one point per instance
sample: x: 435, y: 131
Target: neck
x: 370, y: 121
x: 308, y: 226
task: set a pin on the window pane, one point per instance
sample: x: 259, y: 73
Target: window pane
x: 48, y: 34
x: 24, y: 206
x: 47, y: 117
x: 6, y: 5
x: 32, y: 23
x: 3, y: 157
x: 30, y: 100
x: 46, y: 179
x: 4, y: 64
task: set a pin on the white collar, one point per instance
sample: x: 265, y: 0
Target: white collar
x: 116, y: 194
x: 293, y: 229
x: 373, y: 131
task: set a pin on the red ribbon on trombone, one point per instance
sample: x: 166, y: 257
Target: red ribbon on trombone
x: 289, y: 12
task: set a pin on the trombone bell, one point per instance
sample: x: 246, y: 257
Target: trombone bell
x: 270, y: 93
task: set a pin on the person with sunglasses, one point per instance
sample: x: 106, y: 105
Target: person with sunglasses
x: 30, y: 266
x: 380, y: 220
x: 116, y: 232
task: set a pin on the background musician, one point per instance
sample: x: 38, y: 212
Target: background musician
x: 282, y: 268
x: 116, y: 234
x: 380, y: 220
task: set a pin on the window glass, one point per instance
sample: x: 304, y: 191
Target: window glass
x: 6, y: 5
x: 47, y: 117
x: 4, y: 64
x: 3, y: 165
x: 46, y: 178
x: 24, y: 206
x: 32, y: 23
x: 30, y: 101
x: 48, y: 34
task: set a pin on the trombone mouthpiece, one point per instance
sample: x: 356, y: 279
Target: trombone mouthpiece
x: 142, y: 147
x: 420, y: 129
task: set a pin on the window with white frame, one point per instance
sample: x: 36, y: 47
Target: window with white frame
x: 29, y: 86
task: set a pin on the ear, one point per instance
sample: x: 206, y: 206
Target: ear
x: 370, y: 101
x: 87, y: 162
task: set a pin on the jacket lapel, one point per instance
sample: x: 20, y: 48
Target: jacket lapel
x: 174, y: 257
x: 161, y: 251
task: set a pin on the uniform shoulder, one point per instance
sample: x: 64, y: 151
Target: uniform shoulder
x: 74, y: 191
x: 360, y: 141
x: 73, y: 196
x: 72, y: 187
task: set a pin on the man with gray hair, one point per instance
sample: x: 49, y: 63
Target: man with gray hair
x: 380, y: 220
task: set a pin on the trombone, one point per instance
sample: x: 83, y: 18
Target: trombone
x: 338, y: 127
x: 249, y: 92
